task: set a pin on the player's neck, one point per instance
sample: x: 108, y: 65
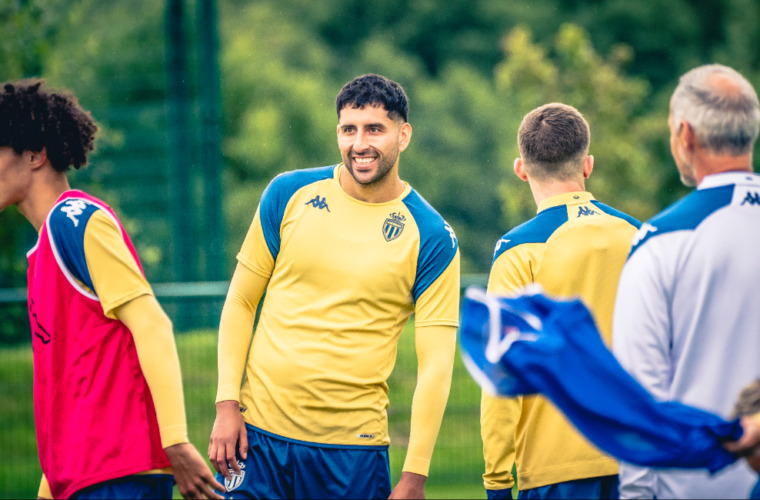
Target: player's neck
x: 545, y: 189
x: 43, y: 193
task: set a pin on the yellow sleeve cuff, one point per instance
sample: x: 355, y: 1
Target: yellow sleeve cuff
x: 228, y: 392
x: 175, y: 434
x: 417, y: 465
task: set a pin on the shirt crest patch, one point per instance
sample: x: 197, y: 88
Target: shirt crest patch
x: 393, y: 226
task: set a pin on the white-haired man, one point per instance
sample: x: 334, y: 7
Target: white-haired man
x: 687, y: 310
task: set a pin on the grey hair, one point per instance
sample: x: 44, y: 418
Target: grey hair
x: 722, y: 122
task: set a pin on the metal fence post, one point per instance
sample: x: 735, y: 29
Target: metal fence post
x: 209, y: 78
x: 178, y: 99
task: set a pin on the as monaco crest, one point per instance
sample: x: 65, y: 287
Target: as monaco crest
x: 393, y: 226
x: 237, y: 477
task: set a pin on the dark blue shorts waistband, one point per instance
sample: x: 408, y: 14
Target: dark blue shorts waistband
x: 314, y: 444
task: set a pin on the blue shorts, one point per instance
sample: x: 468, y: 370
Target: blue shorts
x: 505, y: 494
x: 278, y: 467
x: 603, y: 488
x: 139, y: 486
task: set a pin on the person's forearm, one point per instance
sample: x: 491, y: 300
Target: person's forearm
x: 154, y: 341
x: 236, y: 330
x: 435, y: 352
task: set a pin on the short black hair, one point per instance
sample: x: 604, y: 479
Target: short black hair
x: 372, y: 90
x: 33, y: 117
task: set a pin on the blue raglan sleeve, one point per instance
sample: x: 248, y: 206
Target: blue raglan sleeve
x: 436, y: 285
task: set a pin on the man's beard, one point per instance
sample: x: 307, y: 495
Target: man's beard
x: 384, y: 166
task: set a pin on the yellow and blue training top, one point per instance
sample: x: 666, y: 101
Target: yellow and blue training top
x: 574, y: 247
x: 344, y: 278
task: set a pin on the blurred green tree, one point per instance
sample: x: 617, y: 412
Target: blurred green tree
x: 469, y: 86
x: 278, y: 106
x: 624, y: 132
x: 29, y: 30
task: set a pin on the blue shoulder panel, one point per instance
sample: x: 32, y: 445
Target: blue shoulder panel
x: 438, y: 244
x: 616, y: 213
x: 66, y: 226
x: 685, y: 214
x: 276, y: 196
x: 536, y: 230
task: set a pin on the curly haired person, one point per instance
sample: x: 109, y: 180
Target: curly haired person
x: 108, y: 400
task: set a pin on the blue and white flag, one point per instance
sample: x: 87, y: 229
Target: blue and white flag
x: 530, y: 344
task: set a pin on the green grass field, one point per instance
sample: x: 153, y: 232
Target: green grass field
x: 457, y: 462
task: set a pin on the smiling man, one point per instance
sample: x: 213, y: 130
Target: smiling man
x: 345, y: 254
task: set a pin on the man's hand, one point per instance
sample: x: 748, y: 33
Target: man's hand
x: 229, y: 430
x: 749, y: 444
x: 748, y: 408
x: 193, y: 477
x: 410, y: 485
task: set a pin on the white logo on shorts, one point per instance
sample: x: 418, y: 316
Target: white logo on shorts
x: 237, y: 477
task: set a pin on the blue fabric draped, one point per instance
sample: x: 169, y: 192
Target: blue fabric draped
x: 531, y: 344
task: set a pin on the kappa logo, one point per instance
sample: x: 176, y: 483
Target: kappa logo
x: 393, y: 226
x: 751, y: 198
x: 645, y: 229
x: 73, y: 209
x: 318, y: 202
x: 502, y: 241
x: 451, y: 234
x: 237, y: 477
x: 585, y: 211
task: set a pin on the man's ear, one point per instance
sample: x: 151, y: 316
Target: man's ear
x: 686, y: 136
x: 35, y: 159
x: 405, y: 136
x: 520, y: 169
x: 588, y: 166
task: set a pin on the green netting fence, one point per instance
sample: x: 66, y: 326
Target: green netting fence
x: 457, y: 462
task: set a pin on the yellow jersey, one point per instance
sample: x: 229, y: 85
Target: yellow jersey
x: 574, y: 247
x: 344, y: 277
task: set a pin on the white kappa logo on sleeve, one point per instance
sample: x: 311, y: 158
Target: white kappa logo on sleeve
x: 73, y: 209
x: 451, y: 234
x: 645, y: 229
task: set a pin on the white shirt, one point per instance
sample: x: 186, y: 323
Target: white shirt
x: 687, y: 319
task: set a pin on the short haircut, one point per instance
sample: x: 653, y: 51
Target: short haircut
x: 724, y: 120
x: 374, y: 90
x: 33, y: 117
x: 553, y: 140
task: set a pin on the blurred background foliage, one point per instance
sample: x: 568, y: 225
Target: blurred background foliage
x: 472, y: 69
